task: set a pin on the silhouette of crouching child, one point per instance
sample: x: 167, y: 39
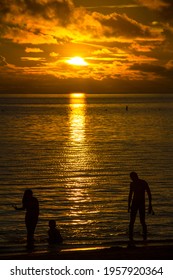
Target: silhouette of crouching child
x: 54, y: 234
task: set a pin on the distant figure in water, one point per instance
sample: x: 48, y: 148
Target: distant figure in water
x: 136, y: 201
x: 31, y: 205
x: 54, y: 234
x: 127, y: 108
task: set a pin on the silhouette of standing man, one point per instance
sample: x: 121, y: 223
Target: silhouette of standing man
x: 136, y: 202
x: 31, y: 205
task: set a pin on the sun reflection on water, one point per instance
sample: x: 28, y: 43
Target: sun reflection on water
x: 77, y: 194
x: 77, y: 122
x: 77, y: 117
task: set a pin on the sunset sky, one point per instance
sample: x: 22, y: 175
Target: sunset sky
x: 93, y: 46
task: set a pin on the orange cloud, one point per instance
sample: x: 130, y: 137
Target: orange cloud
x: 142, y: 47
x: 53, y: 21
x: 111, y: 43
x: 32, y: 58
x: 155, y: 4
x: 53, y: 54
x: 102, y: 51
x: 33, y: 50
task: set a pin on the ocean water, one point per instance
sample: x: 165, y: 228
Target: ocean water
x: 76, y: 156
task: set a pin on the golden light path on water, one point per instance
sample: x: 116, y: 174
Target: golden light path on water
x: 78, y: 149
x: 77, y: 118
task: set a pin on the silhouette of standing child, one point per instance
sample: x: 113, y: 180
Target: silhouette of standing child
x: 54, y: 234
x: 31, y: 205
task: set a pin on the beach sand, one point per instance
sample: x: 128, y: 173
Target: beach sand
x: 151, y: 251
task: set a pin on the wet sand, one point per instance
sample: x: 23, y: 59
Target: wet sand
x: 151, y: 251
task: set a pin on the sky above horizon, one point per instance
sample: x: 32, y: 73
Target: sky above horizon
x: 93, y: 46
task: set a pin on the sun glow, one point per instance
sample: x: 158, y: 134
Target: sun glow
x: 77, y: 98
x: 77, y: 60
x: 77, y: 95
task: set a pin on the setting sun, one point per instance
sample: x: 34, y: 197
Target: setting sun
x: 77, y: 98
x: 77, y: 60
x: 77, y: 95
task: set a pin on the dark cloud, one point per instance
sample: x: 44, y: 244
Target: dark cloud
x: 155, y: 4
x: 163, y: 11
x: 36, y: 21
x: 164, y: 7
x: 50, y: 9
x: 148, y: 67
x: 47, y: 9
x: 165, y: 71
x: 167, y: 12
x: 121, y: 25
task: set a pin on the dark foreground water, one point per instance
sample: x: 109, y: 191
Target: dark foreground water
x: 77, y: 159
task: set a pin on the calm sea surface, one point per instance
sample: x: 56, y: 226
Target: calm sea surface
x: 77, y: 159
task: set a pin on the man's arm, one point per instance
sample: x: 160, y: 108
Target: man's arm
x: 130, y: 198
x: 149, y: 199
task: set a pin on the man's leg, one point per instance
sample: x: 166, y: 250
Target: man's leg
x: 132, y: 221
x: 142, y: 220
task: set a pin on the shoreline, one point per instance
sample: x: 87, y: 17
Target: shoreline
x: 153, y: 250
